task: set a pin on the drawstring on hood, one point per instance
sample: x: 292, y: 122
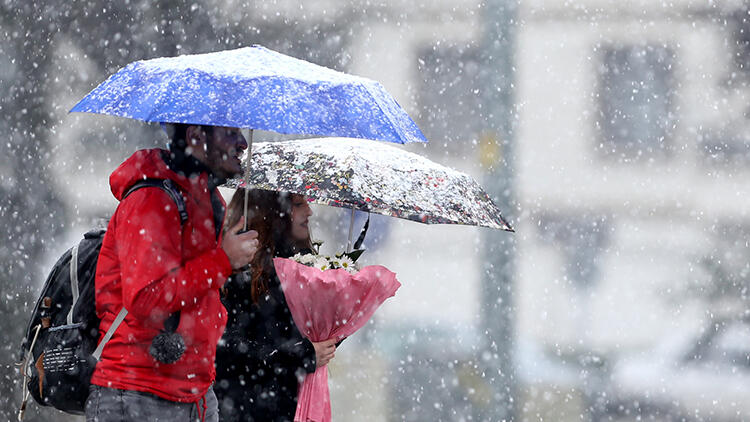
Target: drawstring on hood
x: 198, y: 406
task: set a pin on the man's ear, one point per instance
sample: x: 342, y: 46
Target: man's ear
x: 195, y: 137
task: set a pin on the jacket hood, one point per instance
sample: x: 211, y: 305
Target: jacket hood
x: 144, y: 164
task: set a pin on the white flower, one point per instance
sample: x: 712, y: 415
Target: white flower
x: 346, y: 263
x: 324, y: 262
x: 308, y: 259
x: 321, y: 262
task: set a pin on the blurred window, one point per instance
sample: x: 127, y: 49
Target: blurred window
x: 581, y: 241
x: 727, y: 268
x: 730, y: 346
x: 726, y: 147
x: 636, y: 114
x: 727, y: 142
x: 740, y: 27
x: 449, y: 97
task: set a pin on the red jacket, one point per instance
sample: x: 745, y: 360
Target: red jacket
x: 153, y: 267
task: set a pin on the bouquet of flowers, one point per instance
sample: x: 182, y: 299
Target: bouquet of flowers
x: 342, y: 261
x: 329, y: 297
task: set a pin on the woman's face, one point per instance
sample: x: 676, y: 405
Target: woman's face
x: 301, y: 212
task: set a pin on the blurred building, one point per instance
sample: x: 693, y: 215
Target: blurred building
x: 632, y: 145
x: 632, y: 142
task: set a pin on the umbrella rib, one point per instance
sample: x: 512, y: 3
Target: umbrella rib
x: 399, y: 135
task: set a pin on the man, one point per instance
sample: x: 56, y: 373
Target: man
x: 160, y: 270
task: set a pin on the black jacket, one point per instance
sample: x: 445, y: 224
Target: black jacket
x: 262, y: 355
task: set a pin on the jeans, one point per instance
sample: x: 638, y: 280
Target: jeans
x: 112, y: 405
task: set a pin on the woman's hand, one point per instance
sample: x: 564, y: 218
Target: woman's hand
x: 324, y: 352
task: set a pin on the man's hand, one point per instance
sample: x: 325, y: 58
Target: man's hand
x: 240, y: 248
x: 324, y: 352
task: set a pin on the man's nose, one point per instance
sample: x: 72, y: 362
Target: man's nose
x: 242, y: 142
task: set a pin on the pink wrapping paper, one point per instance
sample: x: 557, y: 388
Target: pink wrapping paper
x: 329, y: 304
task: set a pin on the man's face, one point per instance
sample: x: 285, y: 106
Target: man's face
x: 224, y: 147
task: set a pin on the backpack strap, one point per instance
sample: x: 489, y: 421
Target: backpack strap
x: 116, y: 323
x: 167, y: 186
x: 73, y: 281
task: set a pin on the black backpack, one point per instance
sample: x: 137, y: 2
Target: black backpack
x: 58, y: 352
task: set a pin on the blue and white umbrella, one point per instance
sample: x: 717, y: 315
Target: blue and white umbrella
x: 253, y: 88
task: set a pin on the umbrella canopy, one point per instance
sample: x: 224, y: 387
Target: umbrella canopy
x: 253, y: 88
x: 372, y: 177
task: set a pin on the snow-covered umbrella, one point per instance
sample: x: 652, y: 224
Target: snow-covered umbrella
x: 373, y: 177
x: 253, y: 88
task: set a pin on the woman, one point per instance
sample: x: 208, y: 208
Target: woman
x: 262, y: 356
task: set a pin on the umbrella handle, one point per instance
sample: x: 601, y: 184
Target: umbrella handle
x: 351, y: 230
x: 362, y: 234
x: 247, y: 175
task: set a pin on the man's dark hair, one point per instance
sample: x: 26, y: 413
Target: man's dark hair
x: 177, y: 158
x: 179, y: 142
